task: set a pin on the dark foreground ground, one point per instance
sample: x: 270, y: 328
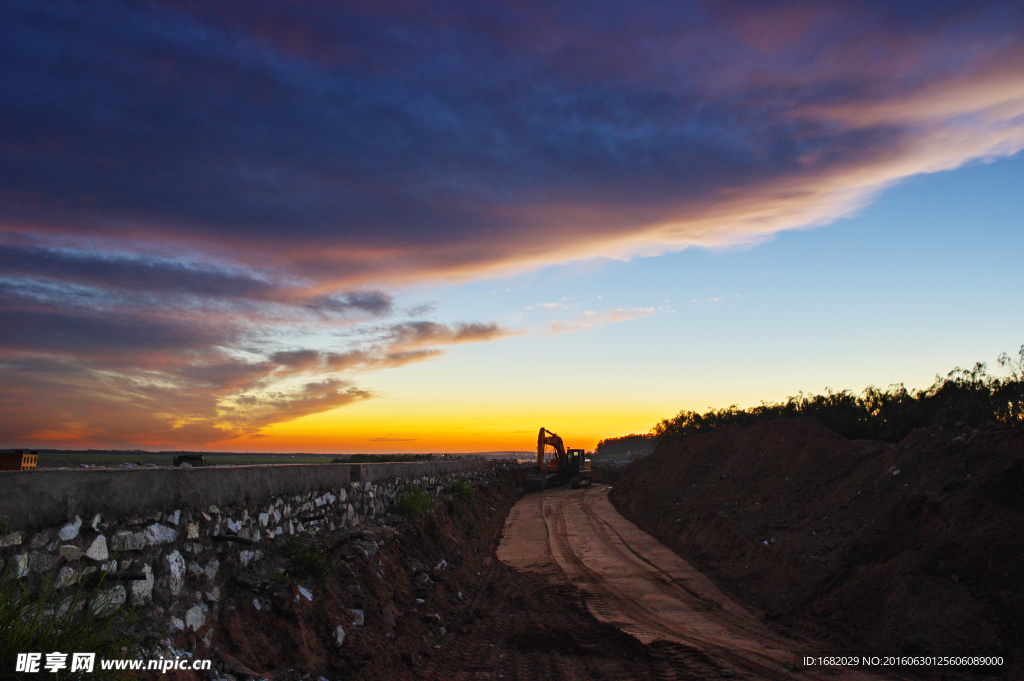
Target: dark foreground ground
x: 478, y: 618
x: 914, y: 549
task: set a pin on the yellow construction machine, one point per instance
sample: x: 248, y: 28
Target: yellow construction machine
x: 567, y: 466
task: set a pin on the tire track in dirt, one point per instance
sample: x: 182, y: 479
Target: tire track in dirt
x: 629, y: 580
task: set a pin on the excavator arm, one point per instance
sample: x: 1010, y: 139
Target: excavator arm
x: 546, y: 437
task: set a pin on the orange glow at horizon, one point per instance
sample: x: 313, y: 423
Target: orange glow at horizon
x: 424, y: 427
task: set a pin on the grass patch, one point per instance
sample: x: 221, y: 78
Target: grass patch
x: 413, y: 501
x: 463, y: 494
x: 307, y: 561
x: 46, y: 621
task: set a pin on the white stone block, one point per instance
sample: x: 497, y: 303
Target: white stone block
x: 98, y: 549
x: 70, y: 531
x: 157, y: 534
x: 142, y: 589
x: 109, y: 600
x: 196, y: 616
x: 177, y: 572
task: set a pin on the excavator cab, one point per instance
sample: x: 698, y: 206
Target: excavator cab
x: 577, y: 461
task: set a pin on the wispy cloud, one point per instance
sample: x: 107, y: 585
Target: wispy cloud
x: 592, y: 319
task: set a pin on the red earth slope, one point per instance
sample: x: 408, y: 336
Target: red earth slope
x: 914, y: 549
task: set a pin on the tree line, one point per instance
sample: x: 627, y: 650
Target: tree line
x: 969, y: 396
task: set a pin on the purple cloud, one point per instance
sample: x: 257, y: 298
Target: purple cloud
x: 188, y: 189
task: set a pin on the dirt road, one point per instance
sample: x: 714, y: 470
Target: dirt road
x: 633, y: 582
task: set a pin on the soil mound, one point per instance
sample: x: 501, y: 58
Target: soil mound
x: 914, y: 549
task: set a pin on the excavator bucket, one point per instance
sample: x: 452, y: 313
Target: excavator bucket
x: 535, y: 482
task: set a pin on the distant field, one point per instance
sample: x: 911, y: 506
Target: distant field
x: 74, y: 459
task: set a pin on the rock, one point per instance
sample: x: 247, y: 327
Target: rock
x: 39, y: 562
x: 39, y: 539
x: 173, y: 518
x: 442, y: 631
x: 109, y: 600
x: 208, y: 639
x: 339, y: 636
x: 66, y: 577
x: 277, y: 517
x: 213, y: 596
x: 70, y: 531
x: 256, y: 604
x: 12, y: 539
x: 196, y: 569
x: 176, y: 579
x: 196, y: 616
x: 247, y: 557
x: 98, y: 549
x: 442, y: 565
x: 307, y: 594
x: 128, y: 541
x: 358, y: 618
x: 192, y: 531
x: 157, y: 534
x: 211, y: 569
x: 70, y: 553
x: 423, y: 578
x: 176, y: 626
x: 264, y: 519
x: 18, y: 566
x: 234, y: 526
x: 142, y: 589
x: 65, y: 605
x: 96, y: 523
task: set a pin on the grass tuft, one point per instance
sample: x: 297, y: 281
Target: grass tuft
x: 413, y: 501
x: 46, y: 621
x: 463, y: 494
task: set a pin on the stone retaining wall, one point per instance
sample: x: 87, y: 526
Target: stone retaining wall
x: 169, y: 538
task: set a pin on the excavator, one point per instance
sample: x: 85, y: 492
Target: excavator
x: 567, y: 466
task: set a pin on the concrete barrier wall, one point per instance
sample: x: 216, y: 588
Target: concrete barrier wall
x: 30, y: 500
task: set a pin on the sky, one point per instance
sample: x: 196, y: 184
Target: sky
x: 436, y: 227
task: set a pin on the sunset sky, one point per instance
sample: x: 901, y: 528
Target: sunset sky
x: 436, y: 226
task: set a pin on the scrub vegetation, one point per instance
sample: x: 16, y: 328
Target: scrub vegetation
x: 625, y: 447
x: 969, y: 396
x: 463, y: 494
x: 413, y: 501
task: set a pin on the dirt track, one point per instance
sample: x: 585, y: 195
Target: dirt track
x: 631, y: 581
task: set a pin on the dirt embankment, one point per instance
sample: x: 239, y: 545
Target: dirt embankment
x: 472, y: 618
x: 913, y: 549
